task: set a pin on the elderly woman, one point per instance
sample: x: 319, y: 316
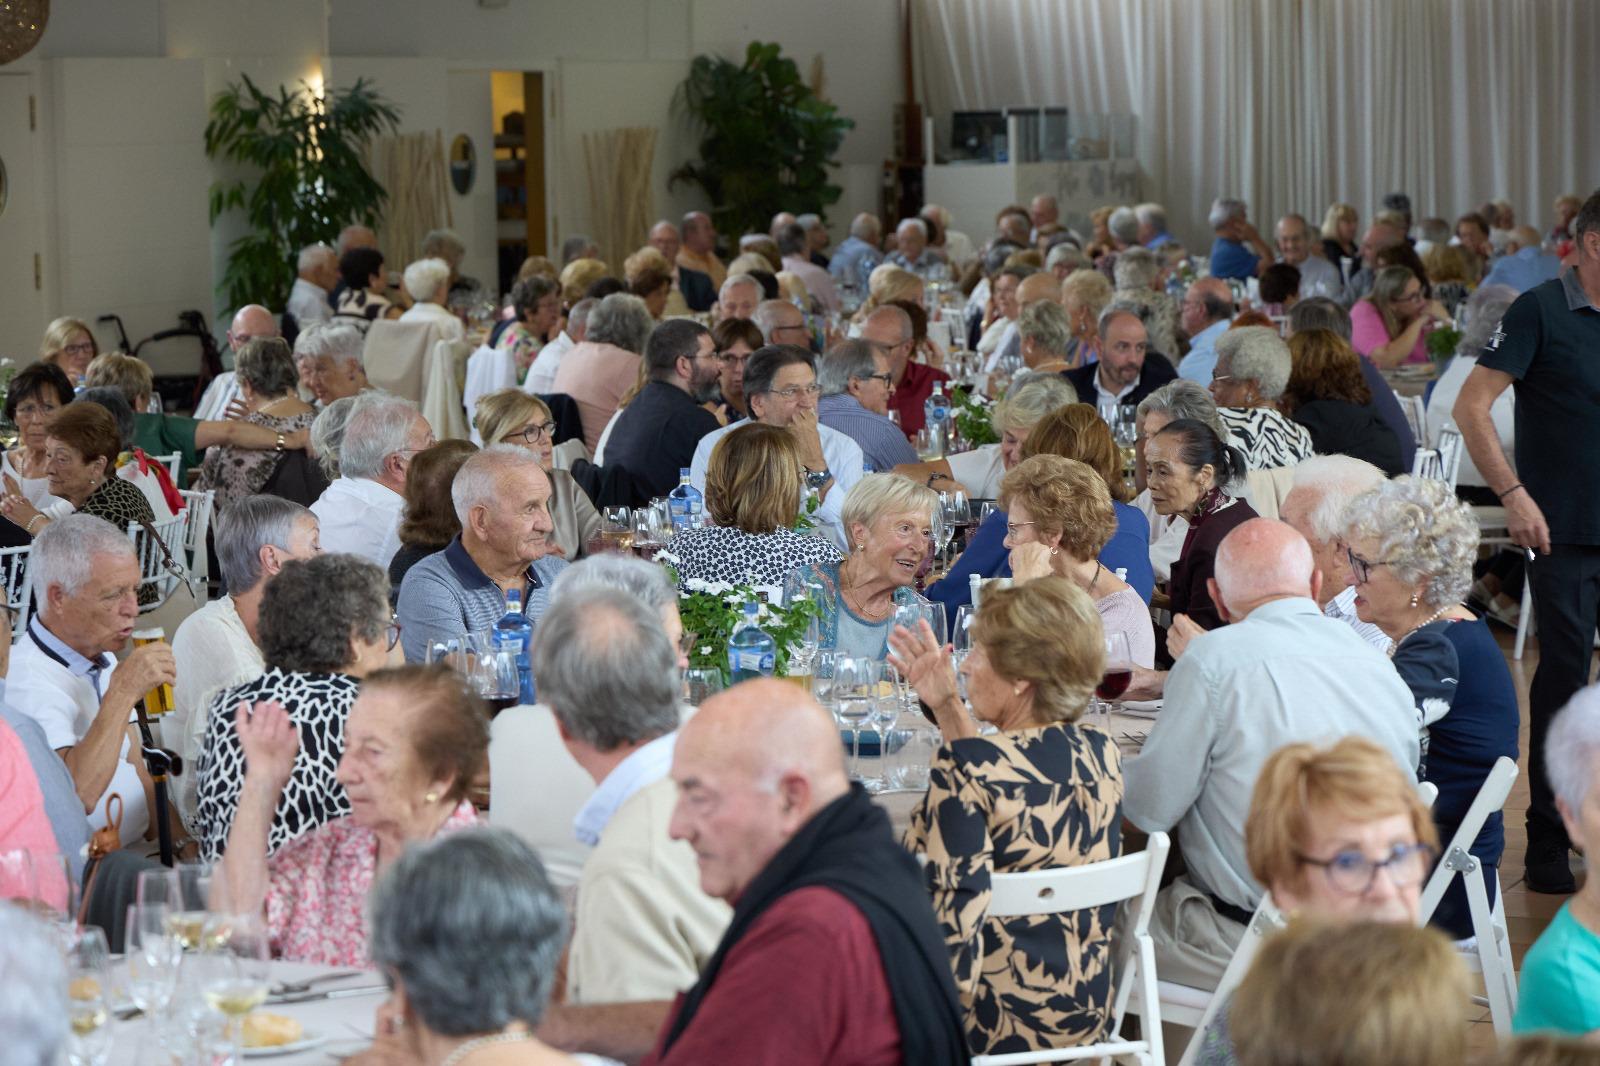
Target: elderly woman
x: 365, y: 298
x: 888, y: 283
x: 1058, y: 520
x: 69, y: 344
x: 1390, y: 327
x: 978, y: 472
x: 1322, y: 821
x: 734, y: 340
x: 1139, y: 274
x: 1329, y: 398
x: 1557, y: 974
x: 888, y: 523
x: 429, y: 523
x: 1041, y: 793
x: 512, y: 416
x: 133, y: 466
x: 414, y: 741
x: 598, y: 371
x: 439, y: 948
x: 1411, y: 545
x: 267, y: 381
x: 427, y: 282
x: 323, y: 624
x: 1003, y: 309
x: 1251, y: 372
x: 753, y: 495
x: 1085, y: 294
x: 1174, y: 400
x: 36, y: 393
x: 654, y: 287
x: 1191, y: 472
x: 536, y: 302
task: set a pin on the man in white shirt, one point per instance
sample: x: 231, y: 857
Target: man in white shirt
x: 318, y: 273
x: 1324, y: 488
x: 427, y: 282
x: 1318, y: 277
x: 215, y: 648
x: 1282, y: 672
x: 780, y: 384
x: 542, y: 371
x: 360, y: 511
x: 1122, y: 375
x: 64, y: 674
x: 642, y: 928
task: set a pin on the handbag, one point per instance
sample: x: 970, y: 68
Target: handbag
x: 102, y: 842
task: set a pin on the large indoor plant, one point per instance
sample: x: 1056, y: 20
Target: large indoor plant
x: 304, y: 181
x: 767, y: 140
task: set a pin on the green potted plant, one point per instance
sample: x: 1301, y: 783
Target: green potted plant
x: 767, y: 140
x: 307, y: 179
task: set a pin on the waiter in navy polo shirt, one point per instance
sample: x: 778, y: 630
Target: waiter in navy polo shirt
x: 1548, y: 349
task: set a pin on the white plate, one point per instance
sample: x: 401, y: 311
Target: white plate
x: 308, y: 1041
x: 1140, y: 708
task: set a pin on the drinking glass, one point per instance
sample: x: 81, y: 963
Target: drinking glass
x: 1118, y: 673
x: 854, y: 695
x: 700, y: 683
x: 890, y: 703
x: 185, y: 889
x: 929, y: 444
x: 152, y: 957
x: 957, y: 512
x: 940, y: 530
x: 447, y: 650
x: 17, y: 878
x: 498, y: 678
x: 616, y: 529
x: 1107, y: 408
x: 652, y: 528
x: 989, y: 507
x: 917, y: 740
x: 909, y: 614
x: 89, y: 998
x: 233, y: 970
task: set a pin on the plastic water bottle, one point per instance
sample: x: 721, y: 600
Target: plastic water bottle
x: 936, y: 411
x: 685, y: 504
x: 513, y: 630
x: 752, y: 652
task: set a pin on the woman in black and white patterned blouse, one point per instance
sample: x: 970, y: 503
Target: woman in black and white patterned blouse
x: 324, y: 623
x: 1252, y: 370
x: 753, y: 495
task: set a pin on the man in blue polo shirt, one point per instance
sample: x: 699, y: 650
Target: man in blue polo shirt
x: 1230, y: 256
x: 1547, y: 347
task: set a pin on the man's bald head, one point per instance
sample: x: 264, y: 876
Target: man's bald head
x: 1261, y: 560
x: 752, y: 768
x: 252, y: 321
x: 356, y: 236
x: 1035, y: 287
x: 1523, y: 237
x: 1043, y: 210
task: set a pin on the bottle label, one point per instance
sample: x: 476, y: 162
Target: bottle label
x: 751, y: 661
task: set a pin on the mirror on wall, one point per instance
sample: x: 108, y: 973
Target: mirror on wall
x: 463, y: 163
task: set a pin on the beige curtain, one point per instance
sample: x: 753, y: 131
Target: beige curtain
x: 618, y: 164
x: 412, y: 167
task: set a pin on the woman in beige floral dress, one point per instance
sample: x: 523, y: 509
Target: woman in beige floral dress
x: 268, y: 383
x: 1043, y: 792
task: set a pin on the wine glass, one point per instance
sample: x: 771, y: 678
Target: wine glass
x: 957, y: 512
x: 234, y: 969
x: 891, y: 701
x: 1118, y: 673
x: 498, y: 677
x: 988, y: 508
x: 152, y: 955
x: 700, y: 683
x: 185, y: 890
x: 929, y: 444
x: 961, y: 642
x: 616, y: 529
x: 89, y: 998
x: 854, y: 695
x: 940, y: 530
x: 1107, y: 410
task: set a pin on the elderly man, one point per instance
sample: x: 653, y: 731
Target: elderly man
x: 891, y: 331
x: 911, y: 251
x: 1037, y: 286
x: 64, y: 674
x: 780, y: 384
x: 795, y: 247
x: 1123, y: 375
x: 856, y: 385
x: 1229, y: 256
x: 1123, y: 225
x: 1324, y: 488
x: 858, y: 254
x: 695, y: 287
x: 360, y: 511
x: 1281, y: 673
x: 502, y: 499
x: 1206, y: 312
x: 1472, y: 233
x: 216, y: 647
x: 699, y: 252
x: 1318, y: 277
x: 1379, y: 235
x: 642, y: 929
x: 817, y: 239
x: 427, y: 282
x: 542, y: 371
x: 833, y: 945
x: 781, y: 322
x: 317, y: 272
x: 1042, y: 211
x: 739, y: 296
x: 1525, y: 263
x: 249, y: 322
x: 656, y: 434
x: 579, y: 246
x: 333, y: 352
x: 1152, y: 218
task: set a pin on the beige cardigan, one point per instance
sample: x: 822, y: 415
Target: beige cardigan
x: 575, y: 518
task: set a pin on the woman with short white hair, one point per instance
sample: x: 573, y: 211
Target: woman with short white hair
x: 1411, y: 545
x: 1252, y: 370
x: 427, y: 282
x: 1138, y: 276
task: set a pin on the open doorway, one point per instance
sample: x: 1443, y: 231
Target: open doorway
x: 519, y: 170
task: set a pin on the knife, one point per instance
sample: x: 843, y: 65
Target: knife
x: 335, y: 993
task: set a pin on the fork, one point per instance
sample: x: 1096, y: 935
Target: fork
x: 289, y: 988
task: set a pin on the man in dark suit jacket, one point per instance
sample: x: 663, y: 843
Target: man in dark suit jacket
x: 1127, y: 369
x: 657, y: 433
x: 698, y: 292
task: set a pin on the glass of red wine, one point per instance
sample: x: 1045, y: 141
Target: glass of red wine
x: 1116, y: 678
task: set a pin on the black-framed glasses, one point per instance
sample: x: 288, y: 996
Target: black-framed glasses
x: 1360, y: 567
x: 886, y: 377
x: 535, y: 433
x: 1352, y: 872
x: 392, y: 632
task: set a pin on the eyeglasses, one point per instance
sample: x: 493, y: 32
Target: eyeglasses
x: 729, y: 359
x: 1352, y: 872
x: 535, y: 433
x: 1362, y: 568
x: 1411, y: 297
x: 1220, y: 377
x: 78, y: 349
x: 796, y: 390
x: 1013, y: 527
x: 886, y: 377
x: 392, y: 631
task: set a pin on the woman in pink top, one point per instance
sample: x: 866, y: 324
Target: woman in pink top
x: 416, y: 740
x: 23, y: 824
x: 1391, y: 326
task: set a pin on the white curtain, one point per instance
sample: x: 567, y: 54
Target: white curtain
x: 1294, y: 104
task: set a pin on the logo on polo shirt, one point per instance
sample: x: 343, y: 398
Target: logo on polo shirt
x: 1497, y: 336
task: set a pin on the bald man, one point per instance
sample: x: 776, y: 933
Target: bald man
x: 1035, y: 287
x: 1207, y: 309
x: 250, y: 321
x: 833, y: 945
x: 1043, y: 211
x: 889, y: 330
x: 1525, y: 263
x: 1281, y: 673
x: 699, y: 251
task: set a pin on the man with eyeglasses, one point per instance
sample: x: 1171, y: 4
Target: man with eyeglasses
x: 1281, y: 672
x: 889, y: 329
x: 360, y: 511
x: 781, y: 322
x: 780, y: 384
x: 655, y: 435
x: 856, y: 386
x: 222, y: 398
x: 1318, y: 277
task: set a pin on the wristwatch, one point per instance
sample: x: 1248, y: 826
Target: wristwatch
x: 815, y: 479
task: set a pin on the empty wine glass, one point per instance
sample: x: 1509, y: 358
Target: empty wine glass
x: 940, y: 530
x: 957, y: 510
x: 854, y: 695
x: 152, y: 955
x: 929, y: 444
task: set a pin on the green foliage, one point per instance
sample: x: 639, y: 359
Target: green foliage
x: 307, y: 178
x: 974, y: 417
x: 767, y: 142
x: 1442, y: 344
x: 711, y: 609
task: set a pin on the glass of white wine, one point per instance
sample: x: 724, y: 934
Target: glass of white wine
x: 89, y: 998
x: 234, y: 969
x: 185, y: 889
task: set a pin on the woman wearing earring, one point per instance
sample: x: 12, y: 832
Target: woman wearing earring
x: 1411, y: 545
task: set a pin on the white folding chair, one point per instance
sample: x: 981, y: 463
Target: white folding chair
x: 154, y: 567
x: 1416, y: 413
x: 1129, y: 879
x: 1490, y: 954
x: 17, y: 572
x: 201, y: 506
x: 171, y: 462
x: 1263, y: 923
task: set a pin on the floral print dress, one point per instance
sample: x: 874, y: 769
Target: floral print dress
x: 1031, y: 799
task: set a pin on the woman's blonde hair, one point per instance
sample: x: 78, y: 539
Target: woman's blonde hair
x: 1353, y: 779
x: 577, y: 276
x: 537, y: 266
x: 125, y: 373
x: 1076, y: 431
x: 1326, y: 993
x: 886, y: 284
x: 56, y: 335
x: 1088, y: 288
x: 505, y: 411
x: 1046, y: 632
x: 1337, y: 213
x: 877, y: 495
x: 753, y: 479
x: 646, y: 258
x: 1448, y: 262
x: 750, y: 263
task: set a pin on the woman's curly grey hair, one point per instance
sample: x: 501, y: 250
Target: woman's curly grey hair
x: 312, y: 611
x: 1427, y: 536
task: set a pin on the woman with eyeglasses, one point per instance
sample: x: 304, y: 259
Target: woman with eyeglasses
x: 69, y: 344
x: 1411, y: 545
x: 38, y: 391
x: 1391, y: 326
x: 324, y: 624
x: 429, y: 522
x: 1337, y: 833
x: 512, y: 416
x: 735, y: 339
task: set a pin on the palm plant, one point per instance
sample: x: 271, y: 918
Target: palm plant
x: 307, y: 181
